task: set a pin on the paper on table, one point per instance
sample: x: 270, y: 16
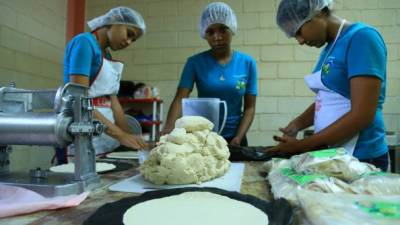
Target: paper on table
x: 17, y: 200
x: 231, y: 181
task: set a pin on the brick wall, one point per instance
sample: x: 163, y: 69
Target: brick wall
x: 32, y: 39
x: 172, y: 36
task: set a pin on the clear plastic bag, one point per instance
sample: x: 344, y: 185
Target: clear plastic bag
x: 285, y: 183
x: 331, y: 162
x: 342, y: 208
x: 378, y: 184
x: 274, y: 163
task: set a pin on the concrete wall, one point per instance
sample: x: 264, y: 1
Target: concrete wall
x: 172, y: 36
x: 32, y: 39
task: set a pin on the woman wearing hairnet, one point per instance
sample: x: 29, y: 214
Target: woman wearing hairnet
x: 220, y: 73
x: 87, y: 61
x: 349, y: 80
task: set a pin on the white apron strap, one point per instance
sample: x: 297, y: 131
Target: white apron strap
x: 329, y: 105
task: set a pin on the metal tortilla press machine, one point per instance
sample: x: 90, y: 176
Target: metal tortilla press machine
x: 49, y: 118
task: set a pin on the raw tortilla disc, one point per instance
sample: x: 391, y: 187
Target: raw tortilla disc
x: 123, y: 155
x: 194, y: 208
x: 279, y: 211
x: 70, y: 167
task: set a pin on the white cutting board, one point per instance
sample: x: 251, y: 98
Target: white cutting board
x: 231, y: 181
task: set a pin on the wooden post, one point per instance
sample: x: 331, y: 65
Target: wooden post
x: 75, y: 18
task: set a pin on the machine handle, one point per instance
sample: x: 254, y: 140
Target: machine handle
x: 225, y: 116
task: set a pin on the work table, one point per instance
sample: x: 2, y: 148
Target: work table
x: 253, y: 183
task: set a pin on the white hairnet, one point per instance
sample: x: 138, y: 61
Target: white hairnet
x: 217, y: 12
x: 292, y: 14
x: 118, y: 15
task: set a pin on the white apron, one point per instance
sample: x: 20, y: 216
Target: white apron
x: 329, y: 105
x: 106, y: 83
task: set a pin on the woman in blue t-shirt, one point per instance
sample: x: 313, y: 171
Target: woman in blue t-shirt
x: 87, y: 61
x: 220, y: 73
x: 349, y: 81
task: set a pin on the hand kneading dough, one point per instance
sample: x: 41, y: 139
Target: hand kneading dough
x: 185, y: 157
x: 70, y: 167
x: 194, y: 208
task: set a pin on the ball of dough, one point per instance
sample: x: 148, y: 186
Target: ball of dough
x: 194, y: 123
x: 185, y: 157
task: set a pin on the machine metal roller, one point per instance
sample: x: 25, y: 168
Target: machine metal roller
x: 34, y: 129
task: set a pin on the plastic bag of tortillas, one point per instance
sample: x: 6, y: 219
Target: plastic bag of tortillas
x: 331, y: 162
x: 378, y: 183
x: 285, y: 183
x: 349, y: 209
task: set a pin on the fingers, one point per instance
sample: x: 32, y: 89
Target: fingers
x: 273, y: 150
x: 166, y: 130
x: 133, y: 141
x: 139, y: 142
x: 143, y: 144
x: 235, y: 142
x: 283, y: 139
x: 284, y: 130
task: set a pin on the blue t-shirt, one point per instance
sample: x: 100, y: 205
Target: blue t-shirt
x: 228, y: 82
x: 359, y: 51
x: 82, y: 56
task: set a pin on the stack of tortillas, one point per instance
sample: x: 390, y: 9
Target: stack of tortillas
x: 123, y: 155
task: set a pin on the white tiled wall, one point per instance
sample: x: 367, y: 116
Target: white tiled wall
x: 173, y: 35
x: 32, y: 39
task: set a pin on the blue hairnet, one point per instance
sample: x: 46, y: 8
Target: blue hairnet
x: 292, y: 14
x: 217, y: 12
x: 119, y: 15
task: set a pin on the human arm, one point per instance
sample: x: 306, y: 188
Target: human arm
x: 304, y: 120
x: 127, y: 138
x: 119, y: 114
x: 366, y: 59
x: 122, y: 134
x: 249, y: 106
x: 183, y: 91
x: 246, y: 120
x: 175, y: 110
x: 365, y: 92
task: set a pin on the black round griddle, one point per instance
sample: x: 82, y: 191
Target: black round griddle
x: 279, y: 211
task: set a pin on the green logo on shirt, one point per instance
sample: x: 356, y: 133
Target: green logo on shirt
x: 325, y: 69
x: 240, y: 85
